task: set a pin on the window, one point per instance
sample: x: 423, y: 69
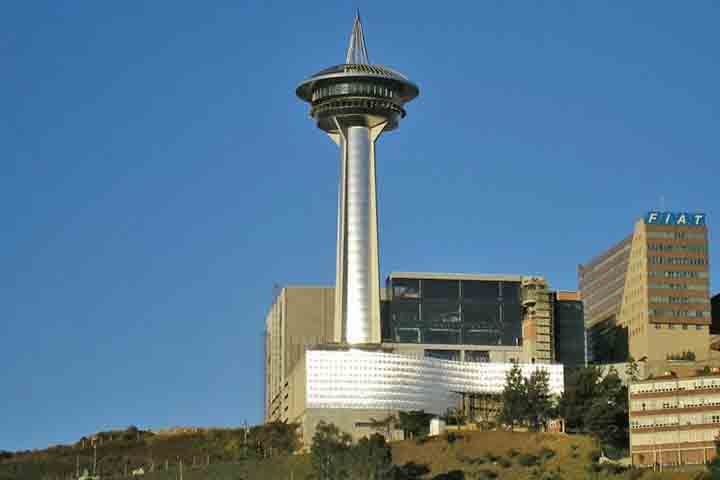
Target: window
x: 480, y: 291
x: 441, y: 289
x: 477, y: 356
x: 405, y: 288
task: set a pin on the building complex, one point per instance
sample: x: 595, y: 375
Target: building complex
x: 647, y: 297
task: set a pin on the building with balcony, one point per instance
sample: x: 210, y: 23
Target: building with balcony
x: 674, y: 420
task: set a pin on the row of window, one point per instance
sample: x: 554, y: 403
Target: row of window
x: 682, y: 300
x: 677, y: 235
x: 656, y: 387
x: 678, y: 274
x: 674, y: 326
x: 353, y: 89
x: 467, y: 290
x: 687, y: 402
x: 664, y: 312
x: 678, y: 286
x: 663, y: 247
x: 656, y: 260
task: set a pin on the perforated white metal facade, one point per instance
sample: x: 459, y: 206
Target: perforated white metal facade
x: 357, y: 379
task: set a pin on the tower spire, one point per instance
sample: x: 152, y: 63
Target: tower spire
x: 357, y: 52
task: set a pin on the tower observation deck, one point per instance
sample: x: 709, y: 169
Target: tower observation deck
x: 354, y: 103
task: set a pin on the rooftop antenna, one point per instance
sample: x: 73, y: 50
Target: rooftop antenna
x: 357, y: 51
x: 662, y: 202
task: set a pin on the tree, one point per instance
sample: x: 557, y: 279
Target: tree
x: 539, y: 403
x: 581, y: 389
x: 514, y: 398
x: 384, y: 426
x: 633, y: 370
x: 371, y: 458
x: 415, y: 423
x: 274, y: 438
x: 596, y: 404
x: 328, y: 453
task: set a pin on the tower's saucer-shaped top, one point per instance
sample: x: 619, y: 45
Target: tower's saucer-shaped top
x: 356, y: 90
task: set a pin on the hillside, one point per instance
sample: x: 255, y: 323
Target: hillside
x: 478, y: 455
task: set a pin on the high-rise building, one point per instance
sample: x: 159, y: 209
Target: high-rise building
x: 569, y: 329
x: 602, y: 283
x: 648, y: 296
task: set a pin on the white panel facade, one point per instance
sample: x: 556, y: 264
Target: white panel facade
x: 357, y: 379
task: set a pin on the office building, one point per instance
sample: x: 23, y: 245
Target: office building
x: 648, y: 296
x: 446, y: 338
x: 674, y: 419
x: 474, y: 318
x: 299, y: 317
x: 569, y: 329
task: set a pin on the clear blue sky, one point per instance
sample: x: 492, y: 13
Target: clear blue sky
x: 158, y: 176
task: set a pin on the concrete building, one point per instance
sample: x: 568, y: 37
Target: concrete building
x: 648, y: 296
x: 299, y: 317
x: 674, y: 419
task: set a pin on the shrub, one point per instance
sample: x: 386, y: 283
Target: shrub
x: 504, y: 462
x: 491, y: 457
x: 527, y: 459
x: 594, y: 455
x: 546, y: 453
x: 513, y: 452
x: 486, y: 474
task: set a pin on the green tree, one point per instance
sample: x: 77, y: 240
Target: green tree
x: 633, y: 370
x: 514, y: 398
x: 415, y: 423
x: 329, y: 452
x: 384, y: 426
x: 539, y: 402
x: 581, y: 389
x: 274, y: 438
x: 371, y: 459
x: 596, y: 404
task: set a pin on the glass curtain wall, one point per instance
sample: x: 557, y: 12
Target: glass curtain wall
x: 470, y: 312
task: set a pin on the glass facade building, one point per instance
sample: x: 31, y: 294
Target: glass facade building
x: 569, y: 323
x: 462, y: 311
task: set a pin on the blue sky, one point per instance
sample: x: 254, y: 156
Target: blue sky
x: 158, y: 176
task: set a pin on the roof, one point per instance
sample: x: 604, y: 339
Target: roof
x: 457, y: 276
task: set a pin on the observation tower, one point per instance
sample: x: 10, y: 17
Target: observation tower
x: 354, y: 103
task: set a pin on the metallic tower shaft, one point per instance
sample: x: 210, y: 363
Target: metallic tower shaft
x: 354, y: 103
x: 357, y: 299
